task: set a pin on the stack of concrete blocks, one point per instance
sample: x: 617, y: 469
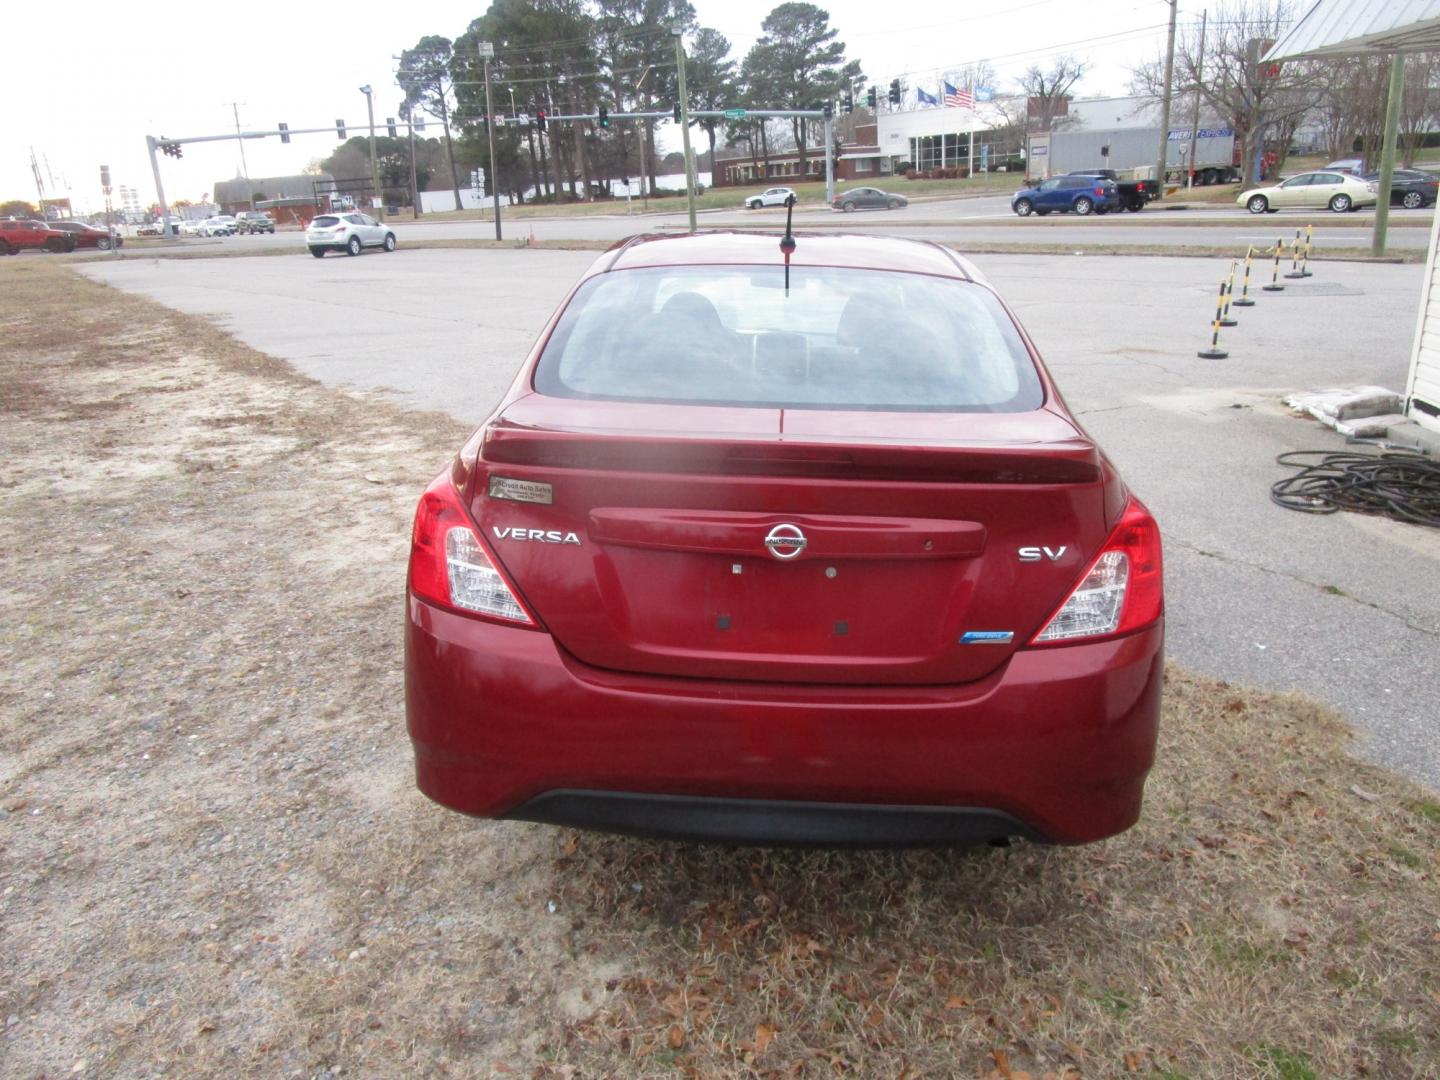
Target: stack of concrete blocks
x: 1357, y: 412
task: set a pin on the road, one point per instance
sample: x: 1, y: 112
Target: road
x: 1345, y: 608
x: 978, y: 221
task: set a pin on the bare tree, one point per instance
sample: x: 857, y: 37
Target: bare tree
x: 1260, y: 101
x: 1421, y: 103
x: 1048, y: 92
x: 974, y: 76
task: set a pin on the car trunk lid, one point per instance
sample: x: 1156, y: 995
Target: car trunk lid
x: 788, y: 545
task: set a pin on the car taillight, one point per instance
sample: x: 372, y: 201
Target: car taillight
x: 449, y: 564
x: 1122, y: 590
x: 1099, y: 191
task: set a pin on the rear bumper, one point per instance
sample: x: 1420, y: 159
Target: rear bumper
x: 1055, y: 745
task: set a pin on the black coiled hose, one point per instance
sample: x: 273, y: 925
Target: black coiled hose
x: 1400, y: 485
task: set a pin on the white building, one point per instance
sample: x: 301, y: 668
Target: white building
x: 938, y: 137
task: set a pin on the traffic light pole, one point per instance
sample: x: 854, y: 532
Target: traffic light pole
x: 829, y: 159
x: 150, y: 144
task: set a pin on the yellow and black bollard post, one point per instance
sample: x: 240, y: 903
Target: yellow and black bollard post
x: 1305, y: 265
x: 1275, y: 285
x: 1245, y: 300
x: 1215, y: 352
x: 1225, y: 319
x: 1295, y: 258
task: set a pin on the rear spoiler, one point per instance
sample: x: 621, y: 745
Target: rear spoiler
x: 1074, y: 461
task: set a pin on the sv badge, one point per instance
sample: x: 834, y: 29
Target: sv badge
x: 1035, y: 554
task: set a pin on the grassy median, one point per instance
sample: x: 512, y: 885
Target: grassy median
x: 213, y: 861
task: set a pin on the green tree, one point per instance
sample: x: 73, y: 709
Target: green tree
x: 635, y: 43
x: 801, y: 60
x: 544, y: 53
x: 710, y: 79
x: 18, y: 208
x: 425, y: 77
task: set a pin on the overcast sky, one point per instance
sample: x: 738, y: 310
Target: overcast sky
x: 90, y: 95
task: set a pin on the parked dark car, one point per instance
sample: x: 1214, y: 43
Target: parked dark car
x: 1067, y: 194
x: 1134, y: 194
x: 801, y: 551
x: 1410, y: 188
x: 87, y: 235
x: 254, y: 221
x: 869, y: 198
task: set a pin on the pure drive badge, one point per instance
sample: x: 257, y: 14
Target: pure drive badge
x: 987, y: 637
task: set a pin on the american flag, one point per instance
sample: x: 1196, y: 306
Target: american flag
x: 958, y: 99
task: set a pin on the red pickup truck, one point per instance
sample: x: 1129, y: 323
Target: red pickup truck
x: 17, y: 235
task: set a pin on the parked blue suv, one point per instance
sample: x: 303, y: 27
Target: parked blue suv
x: 1062, y: 194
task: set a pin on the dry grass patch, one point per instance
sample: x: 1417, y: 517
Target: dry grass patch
x: 213, y: 861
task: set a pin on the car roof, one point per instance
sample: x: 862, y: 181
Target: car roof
x: 812, y: 249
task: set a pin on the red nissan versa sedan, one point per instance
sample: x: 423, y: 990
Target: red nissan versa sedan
x: 807, y: 555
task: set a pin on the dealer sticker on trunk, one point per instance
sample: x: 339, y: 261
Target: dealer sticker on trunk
x: 502, y: 487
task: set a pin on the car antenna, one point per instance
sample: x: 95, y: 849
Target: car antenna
x: 787, y: 242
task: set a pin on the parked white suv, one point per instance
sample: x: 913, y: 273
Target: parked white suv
x: 348, y: 232
x: 219, y: 225
x: 775, y: 196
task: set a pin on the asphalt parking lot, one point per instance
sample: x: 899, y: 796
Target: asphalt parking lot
x: 1343, y: 607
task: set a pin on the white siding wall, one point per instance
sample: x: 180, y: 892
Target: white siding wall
x: 1424, y: 381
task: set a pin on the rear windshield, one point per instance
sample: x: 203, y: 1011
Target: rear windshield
x: 326, y: 221
x: 840, y: 338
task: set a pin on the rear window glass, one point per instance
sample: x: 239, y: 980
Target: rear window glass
x: 326, y: 221
x: 841, y: 338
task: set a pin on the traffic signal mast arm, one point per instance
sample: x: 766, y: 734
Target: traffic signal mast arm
x: 154, y: 143
x: 329, y: 129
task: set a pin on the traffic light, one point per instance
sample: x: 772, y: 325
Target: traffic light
x: 105, y: 178
x: 170, y: 149
x: 284, y: 133
x: 540, y: 119
x: 390, y: 126
x: 677, y: 112
x: 849, y: 103
x: 894, y: 91
x: 873, y: 99
x: 604, y: 117
x: 828, y: 109
x: 340, y: 129
x: 419, y: 122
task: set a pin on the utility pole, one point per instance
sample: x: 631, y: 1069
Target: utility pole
x: 678, y: 33
x: 1165, y: 102
x: 1387, y: 152
x: 644, y: 126
x: 487, y: 53
x: 240, y: 142
x: 414, y: 184
x: 375, y: 192
x: 1195, y: 116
